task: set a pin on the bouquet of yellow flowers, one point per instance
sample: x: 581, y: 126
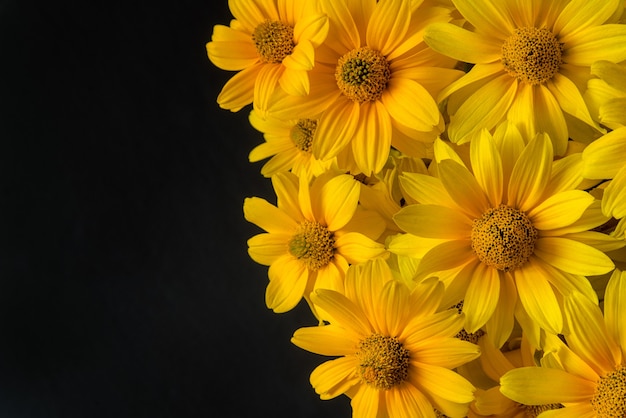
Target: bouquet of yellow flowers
x: 450, y: 180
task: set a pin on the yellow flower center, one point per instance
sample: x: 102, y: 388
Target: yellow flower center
x: 609, y: 399
x: 532, y: 55
x: 362, y: 74
x: 533, y: 411
x: 503, y: 238
x: 273, y: 41
x: 383, y: 361
x: 313, y: 244
x: 302, y: 134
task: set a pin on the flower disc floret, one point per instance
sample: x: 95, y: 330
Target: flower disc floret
x: 273, y: 41
x: 503, y: 238
x: 532, y: 55
x: 313, y: 244
x: 362, y: 74
x: 383, y: 361
x: 609, y: 399
x: 302, y: 134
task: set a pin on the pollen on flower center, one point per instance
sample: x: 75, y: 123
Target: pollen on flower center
x: 273, y: 41
x: 362, y: 74
x: 609, y: 399
x: 533, y: 411
x: 313, y: 244
x: 532, y: 55
x: 503, y: 238
x: 383, y: 361
x: 302, y: 134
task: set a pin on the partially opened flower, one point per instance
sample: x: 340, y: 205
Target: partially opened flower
x: 588, y: 375
x: 311, y: 235
x: 531, y: 64
x: 513, y: 228
x: 374, y: 81
x: 394, y: 350
x: 269, y: 43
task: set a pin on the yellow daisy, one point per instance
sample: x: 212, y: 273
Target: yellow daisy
x: 312, y: 235
x: 269, y: 43
x: 374, y: 81
x: 588, y: 375
x: 288, y: 143
x: 513, y: 228
x: 394, y: 350
x: 531, y: 62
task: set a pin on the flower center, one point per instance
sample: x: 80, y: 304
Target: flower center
x: 302, y: 134
x: 314, y: 244
x: 609, y: 399
x: 532, y: 55
x: 273, y: 41
x: 362, y: 74
x: 383, y: 361
x: 533, y: 411
x: 503, y: 238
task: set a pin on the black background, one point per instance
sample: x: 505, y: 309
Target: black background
x: 125, y: 286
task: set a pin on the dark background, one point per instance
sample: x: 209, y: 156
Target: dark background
x: 125, y: 286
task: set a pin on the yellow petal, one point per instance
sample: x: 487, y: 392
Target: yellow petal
x: 334, y: 377
x: 570, y: 99
x: 604, y: 157
x: 447, y: 352
x: 343, y: 312
x: 250, y: 13
x: 442, y: 382
x: 452, y: 40
x: 483, y: 109
x: 433, y: 221
x: 530, y: 174
x: 372, y: 138
x: 267, y: 248
x: 329, y: 340
x: 542, y: 385
x: 439, y: 325
x: 231, y: 54
x: 267, y: 216
x: 463, y: 188
x: 407, y: 401
x: 286, y: 186
x: 597, y: 43
x: 343, y: 30
x: 487, y: 167
x: 357, y: 248
x: 266, y: 83
x: 410, y: 104
x: 588, y: 336
x: 582, y: 14
x: 572, y: 256
x: 239, y: 90
x: 388, y: 25
x: 615, y: 306
x: 560, y: 209
x: 335, y: 128
x: 482, y: 297
x: 492, y: 17
x: 446, y: 256
x: 425, y: 189
x: 312, y: 28
x: 500, y: 325
x: 538, y: 298
x: 549, y: 118
x: 478, y: 73
x: 365, y: 402
x: 339, y: 199
x: 294, y: 82
x: 288, y: 279
x: 393, y: 306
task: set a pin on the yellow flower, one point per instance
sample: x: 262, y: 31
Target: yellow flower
x: 395, y: 351
x: 531, y: 63
x: 311, y: 235
x: 513, y: 227
x: 588, y: 375
x: 269, y: 43
x: 374, y: 81
x: 289, y: 144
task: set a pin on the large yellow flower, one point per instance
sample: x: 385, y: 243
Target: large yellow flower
x: 311, y: 235
x: 269, y: 43
x: 374, y: 80
x: 395, y: 351
x: 531, y: 64
x: 588, y: 375
x: 513, y: 228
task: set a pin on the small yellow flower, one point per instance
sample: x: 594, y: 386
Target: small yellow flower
x: 312, y: 235
x: 587, y: 374
x: 269, y: 43
x: 395, y: 351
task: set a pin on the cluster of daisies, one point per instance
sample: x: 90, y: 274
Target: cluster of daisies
x: 450, y: 180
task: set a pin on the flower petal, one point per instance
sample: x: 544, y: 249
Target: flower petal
x: 605, y: 156
x: 538, y: 299
x: 615, y: 306
x: 433, y: 221
x: 487, y: 167
x: 482, y: 297
x: 410, y: 104
x: 357, y: 248
x: 327, y: 340
x: 463, y: 188
x: 492, y: 18
x: 339, y: 199
x: 335, y: 128
x: 530, y: 174
x: 266, y: 248
x: 267, y: 216
x: 334, y: 377
x: 560, y: 210
x: 572, y: 256
x: 288, y: 279
x: 388, y: 25
x: 446, y: 256
x: 542, y: 385
x: 597, y: 43
x: 452, y: 40
x: 372, y: 139
x: 581, y: 14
